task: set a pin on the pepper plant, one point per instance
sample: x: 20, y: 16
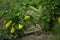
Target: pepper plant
x: 18, y: 15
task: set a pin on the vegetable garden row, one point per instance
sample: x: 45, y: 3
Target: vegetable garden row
x: 18, y: 16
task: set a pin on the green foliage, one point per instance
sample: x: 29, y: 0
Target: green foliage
x: 43, y: 12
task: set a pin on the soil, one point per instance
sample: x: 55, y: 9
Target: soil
x: 38, y: 37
